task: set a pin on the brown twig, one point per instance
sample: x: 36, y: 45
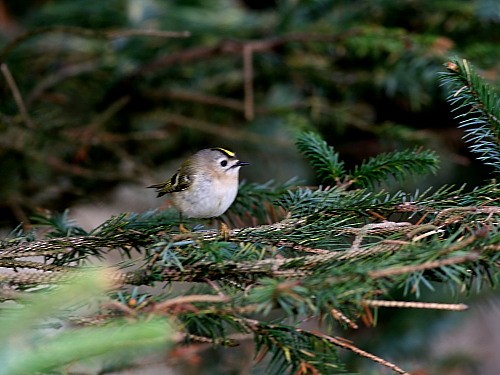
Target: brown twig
x: 256, y: 327
x: 305, y: 249
x: 196, y: 339
x: 393, y: 271
x: 61, y: 75
x: 17, y: 96
x: 376, y: 228
x: 248, y: 80
x: 190, y: 299
x: 122, y: 33
x: 338, y: 315
x: 196, y: 97
x: 340, y: 342
x: 235, y: 47
x: 416, y: 305
x: 233, y: 132
x: 15, y: 264
x: 61, y: 165
x: 88, y: 33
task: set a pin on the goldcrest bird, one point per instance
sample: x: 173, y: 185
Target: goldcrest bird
x: 205, y: 185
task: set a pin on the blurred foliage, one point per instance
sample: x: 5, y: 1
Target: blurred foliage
x: 103, y: 105
x: 33, y: 341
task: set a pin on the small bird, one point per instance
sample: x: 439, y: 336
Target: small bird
x: 205, y: 185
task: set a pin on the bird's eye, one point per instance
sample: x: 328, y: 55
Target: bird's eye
x: 223, y: 163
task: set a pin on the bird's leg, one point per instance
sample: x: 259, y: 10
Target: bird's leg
x: 224, y: 231
x: 182, y: 228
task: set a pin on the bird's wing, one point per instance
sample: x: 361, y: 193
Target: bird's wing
x: 178, y: 182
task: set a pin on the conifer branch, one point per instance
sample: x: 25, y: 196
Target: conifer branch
x: 330, y: 170
x: 478, y: 107
x: 398, y: 164
x: 323, y: 158
x: 332, y: 255
x: 424, y: 266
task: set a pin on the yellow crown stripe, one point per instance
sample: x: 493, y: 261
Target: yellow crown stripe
x: 226, y: 152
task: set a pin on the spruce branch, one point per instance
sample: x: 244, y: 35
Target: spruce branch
x: 397, y: 164
x: 295, y: 255
x: 331, y: 257
x: 292, y: 349
x: 478, y: 108
x: 323, y: 158
x: 330, y: 170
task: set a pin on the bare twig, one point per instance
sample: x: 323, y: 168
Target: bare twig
x: 337, y: 341
x: 197, y: 97
x: 393, y: 271
x: 190, y: 299
x: 376, y: 229
x: 61, y: 75
x: 416, y: 305
x: 88, y: 33
x: 63, y: 166
x: 338, y: 315
x: 17, y: 96
x: 146, y: 32
x: 248, y: 80
x: 15, y: 264
x: 235, y: 47
x: 196, y: 339
x: 210, y: 128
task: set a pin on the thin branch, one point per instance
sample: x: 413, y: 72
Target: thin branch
x: 338, y: 315
x: 196, y: 339
x: 190, y: 299
x: 393, y: 271
x: 121, y: 33
x: 340, y: 342
x: 63, y: 166
x: 248, y: 80
x: 64, y: 73
x: 88, y: 33
x: 377, y: 228
x: 196, y: 97
x: 416, y: 305
x: 235, y: 47
x: 216, y: 129
x: 17, y: 96
x: 15, y: 264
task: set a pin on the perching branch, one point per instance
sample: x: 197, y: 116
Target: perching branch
x: 335, y: 255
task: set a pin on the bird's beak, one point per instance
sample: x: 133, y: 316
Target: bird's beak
x: 239, y: 164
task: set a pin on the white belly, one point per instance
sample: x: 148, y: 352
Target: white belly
x: 206, y: 198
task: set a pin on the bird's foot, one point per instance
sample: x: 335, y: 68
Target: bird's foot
x: 224, y: 231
